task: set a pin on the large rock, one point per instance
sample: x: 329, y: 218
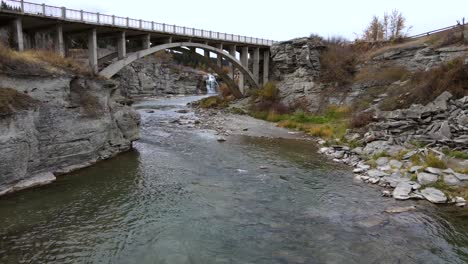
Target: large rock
x: 77, y: 122
x: 402, y: 191
x: 427, y: 178
x: 434, y: 195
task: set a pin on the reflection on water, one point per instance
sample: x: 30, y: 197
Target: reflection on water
x: 182, y: 197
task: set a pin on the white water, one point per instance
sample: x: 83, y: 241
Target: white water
x: 211, y: 84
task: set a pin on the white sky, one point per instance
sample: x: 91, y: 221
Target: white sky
x: 279, y: 20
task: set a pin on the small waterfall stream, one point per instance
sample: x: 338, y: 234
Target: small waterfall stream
x: 211, y: 84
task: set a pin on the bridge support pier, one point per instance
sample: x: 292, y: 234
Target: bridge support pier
x: 59, y: 43
x: 232, y: 52
x: 121, y: 45
x: 256, y: 64
x: 93, y: 50
x: 266, y: 66
x: 219, y: 58
x: 244, y: 62
x: 146, y: 41
x: 18, y: 25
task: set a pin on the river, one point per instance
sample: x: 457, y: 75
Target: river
x: 183, y: 197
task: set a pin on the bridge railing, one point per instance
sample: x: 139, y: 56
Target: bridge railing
x: 35, y: 9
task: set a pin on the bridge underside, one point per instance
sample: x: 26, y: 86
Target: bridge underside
x: 129, y: 45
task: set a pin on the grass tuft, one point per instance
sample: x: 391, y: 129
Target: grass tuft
x: 12, y: 101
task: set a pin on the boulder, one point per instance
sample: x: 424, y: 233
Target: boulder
x: 434, y: 195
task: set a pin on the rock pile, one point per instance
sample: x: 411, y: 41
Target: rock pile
x: 406, y: 180
x: 443, y: 122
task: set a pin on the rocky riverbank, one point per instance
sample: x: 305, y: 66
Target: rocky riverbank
x: 379, y: 161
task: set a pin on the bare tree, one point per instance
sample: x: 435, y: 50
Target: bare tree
x: 397, y: 24
x: 391, y: 26
x: 374, y: 32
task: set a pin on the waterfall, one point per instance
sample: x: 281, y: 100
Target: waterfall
x: 211, y: 84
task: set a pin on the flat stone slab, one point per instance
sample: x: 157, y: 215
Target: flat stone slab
x: 434, y: 195
x: 402, y: 191
x: 427, y: 178
x: 433, y: 170
x: 395, y: 164
x: 376, y: 173
x: 415, y: 169
x: 461, y: 177
x: 451, y: 180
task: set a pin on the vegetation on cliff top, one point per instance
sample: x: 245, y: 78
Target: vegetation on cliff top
x: 37, y: 62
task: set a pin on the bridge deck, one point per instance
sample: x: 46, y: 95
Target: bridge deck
x: 37, y: 16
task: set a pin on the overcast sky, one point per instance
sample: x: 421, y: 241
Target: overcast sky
x: 279, y: 19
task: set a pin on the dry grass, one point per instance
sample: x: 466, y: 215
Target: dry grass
x: 445, y: 38
x: 224, y: 90
x: 379, y: 50
x: 37, y: 62
x: 387, y: 74
x: 425, y: 86
x: 12, y: 101
x: 361, y: 119
x: 164, y: 56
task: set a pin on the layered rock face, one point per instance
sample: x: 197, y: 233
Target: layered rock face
x: 295, y: 69
x: 74, y: 122
x: 154, y: 76
x: 441, y: 122
x: 419, y: 57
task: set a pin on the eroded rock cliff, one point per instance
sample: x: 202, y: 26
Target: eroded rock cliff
x: 57, y: 123
x: 159, y: 76
x: 297, y: 67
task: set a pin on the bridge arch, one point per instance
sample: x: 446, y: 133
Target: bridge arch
x: 116, y: 66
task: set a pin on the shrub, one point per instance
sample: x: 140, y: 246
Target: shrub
x: 361, y: 119
x: 92, y: 107
x: 224, y: 90
x: 269, y: 92
x: 213, y: 102
x: 425, y: 86
x: 321, y: 131
x: 12, y: 101
x: 433, y: 161
x: 338, y: 64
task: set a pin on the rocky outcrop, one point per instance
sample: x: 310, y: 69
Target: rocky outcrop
x: 75, y: 122
x: 441, y: 122
x: 419, y: 57
x: 154, y: 76
x: 295, y: 69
